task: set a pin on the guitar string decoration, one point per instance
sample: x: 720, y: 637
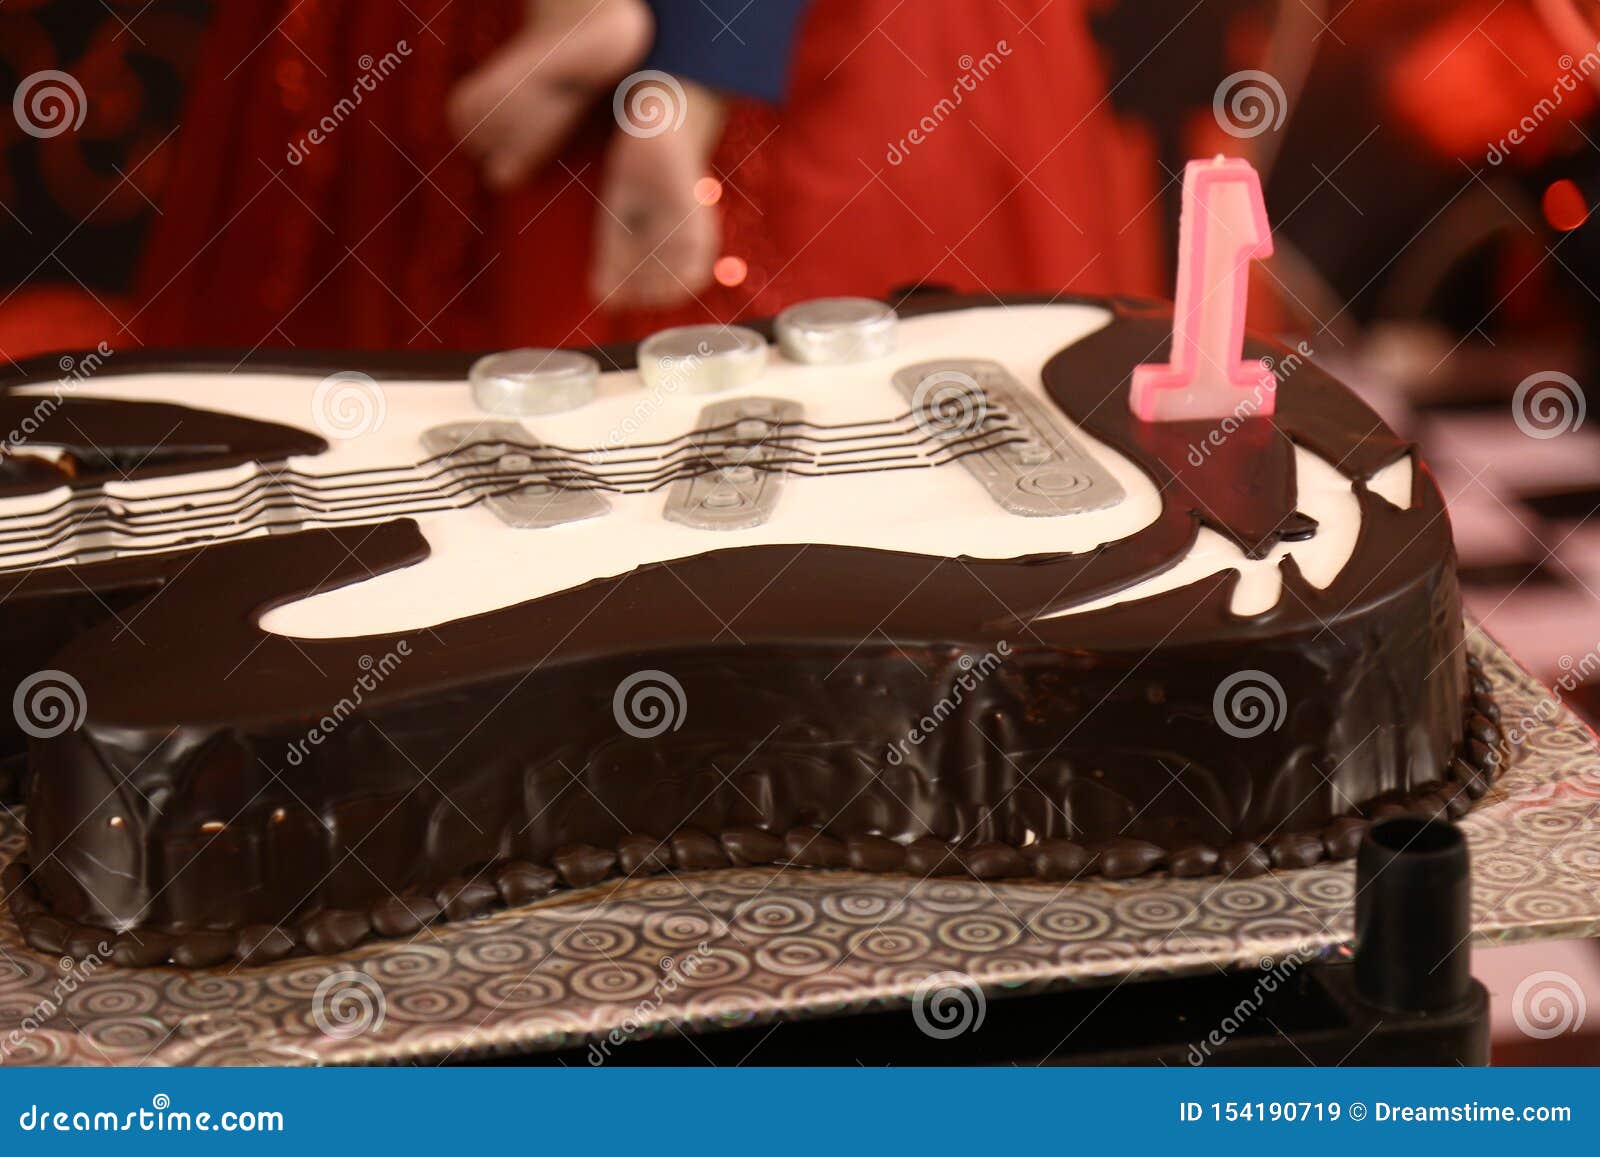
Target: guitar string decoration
x: 539, y: 503
x: 483, y: 466
x: 532, y: 484
x: 1045, y: 474
x: 743, y: 493
x: 1222, y: 229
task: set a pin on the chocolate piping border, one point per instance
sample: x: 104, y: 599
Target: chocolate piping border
x: 1482, y: 757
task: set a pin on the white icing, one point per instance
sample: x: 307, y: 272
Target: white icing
x: 478, y: 564
x: 1394, y: 482
x: 1324, y: 494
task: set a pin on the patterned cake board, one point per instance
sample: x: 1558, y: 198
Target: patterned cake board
x: 744, y: 946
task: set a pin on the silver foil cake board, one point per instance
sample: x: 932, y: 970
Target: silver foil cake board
x: 743, y: 946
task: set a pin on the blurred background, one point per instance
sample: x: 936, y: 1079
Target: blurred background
x: 429, y: 173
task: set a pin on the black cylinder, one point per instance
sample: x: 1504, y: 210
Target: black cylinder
x: 1413, y: 916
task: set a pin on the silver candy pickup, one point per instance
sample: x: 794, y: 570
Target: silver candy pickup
x: 490, y: 456
x: 737, y: 436
x: 1035, y: 467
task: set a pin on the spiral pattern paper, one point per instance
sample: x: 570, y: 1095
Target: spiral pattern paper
x: 745, y: 946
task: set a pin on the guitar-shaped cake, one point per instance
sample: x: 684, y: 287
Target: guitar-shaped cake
x: 306, y: 652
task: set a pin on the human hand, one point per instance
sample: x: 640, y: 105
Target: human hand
x: 515, y: 111
x: 657, y: 233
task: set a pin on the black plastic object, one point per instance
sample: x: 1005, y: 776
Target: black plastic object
x: 1408, y: 999
x: 1413, y: 916
x: 1314, y: 1019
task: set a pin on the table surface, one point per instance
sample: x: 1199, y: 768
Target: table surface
x: 744, y: 946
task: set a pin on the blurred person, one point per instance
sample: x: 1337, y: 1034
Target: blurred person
x: 468, y: 175
x: 1409, y: 199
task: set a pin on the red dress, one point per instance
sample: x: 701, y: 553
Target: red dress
x: 937, y: 143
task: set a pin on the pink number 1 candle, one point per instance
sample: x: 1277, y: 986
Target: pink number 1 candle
x: 1223, y: 227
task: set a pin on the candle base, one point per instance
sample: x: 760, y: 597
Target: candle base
x: 1161, y: 394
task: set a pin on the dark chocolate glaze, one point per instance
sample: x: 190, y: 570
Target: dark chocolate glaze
x: 489, y: 764
x: 1240, y: 482
x: 105, y: 440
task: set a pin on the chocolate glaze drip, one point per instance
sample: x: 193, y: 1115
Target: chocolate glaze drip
x: 1238, y: 478
x: 492, y: 751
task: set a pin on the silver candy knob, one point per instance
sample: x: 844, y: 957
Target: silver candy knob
x: 1032, y: 453
x: 724, y: 498
x: 702, y: 359
x: 533, y: 381
x: 837, y: 329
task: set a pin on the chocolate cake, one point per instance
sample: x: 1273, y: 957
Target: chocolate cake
x: 308, y: 649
